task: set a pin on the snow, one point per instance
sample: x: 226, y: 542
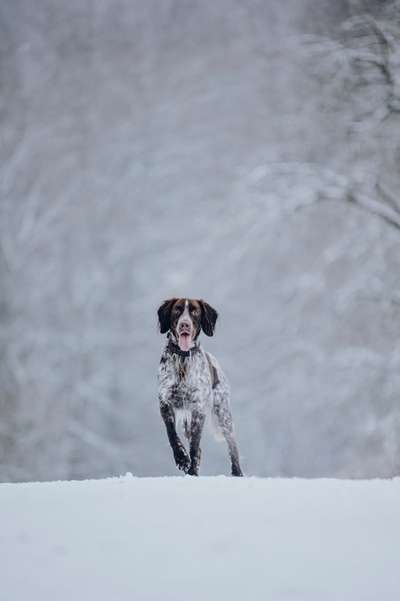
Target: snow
x: 174, y: 539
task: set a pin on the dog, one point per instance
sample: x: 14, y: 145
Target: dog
x: 191, y: 383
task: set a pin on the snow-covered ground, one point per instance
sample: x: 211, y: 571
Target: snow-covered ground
x: 173, y: 539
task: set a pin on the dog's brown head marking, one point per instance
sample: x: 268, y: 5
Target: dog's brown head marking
x: 185, y: 317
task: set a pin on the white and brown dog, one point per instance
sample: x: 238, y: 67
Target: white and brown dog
x: 191, y: 383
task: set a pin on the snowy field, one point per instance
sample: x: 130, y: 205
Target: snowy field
x: 186, y: 539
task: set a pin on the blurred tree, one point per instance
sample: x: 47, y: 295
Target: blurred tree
x: 140, y: 142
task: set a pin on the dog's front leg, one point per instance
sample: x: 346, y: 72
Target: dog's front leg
x: 195, y: 436
x: 181, y: 456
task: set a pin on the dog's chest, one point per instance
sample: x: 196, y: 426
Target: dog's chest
x: 192, y: 379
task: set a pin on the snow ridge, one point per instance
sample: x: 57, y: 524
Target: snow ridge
x: 192, y: 539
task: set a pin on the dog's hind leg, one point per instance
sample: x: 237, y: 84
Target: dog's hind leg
x: 224, y: 417
x: 196, y: 429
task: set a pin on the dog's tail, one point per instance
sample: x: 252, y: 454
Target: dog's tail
x: 214, y: 427
x: 183, y: 421
x: 186, y: 428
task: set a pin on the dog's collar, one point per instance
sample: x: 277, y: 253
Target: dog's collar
x: 175, y: 350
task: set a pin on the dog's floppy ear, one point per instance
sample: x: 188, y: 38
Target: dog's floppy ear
x: 164, y: 315
x: 208, y: 318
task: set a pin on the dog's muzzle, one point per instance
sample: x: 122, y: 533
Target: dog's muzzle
x: 185, y: 335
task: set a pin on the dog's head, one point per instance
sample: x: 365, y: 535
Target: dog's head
x: 185, y: 317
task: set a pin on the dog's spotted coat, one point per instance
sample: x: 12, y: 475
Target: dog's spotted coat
x: 191, y: 382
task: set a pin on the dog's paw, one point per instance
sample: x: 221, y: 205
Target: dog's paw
x: 195, y: 463
x: 236, y: 471
x: 182, y: 458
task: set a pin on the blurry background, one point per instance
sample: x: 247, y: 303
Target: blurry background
x: 246, y: 152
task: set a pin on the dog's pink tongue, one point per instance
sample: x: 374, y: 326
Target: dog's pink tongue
x: 184, y: 342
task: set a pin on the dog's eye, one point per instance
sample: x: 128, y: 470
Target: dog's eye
x: 194, y: 311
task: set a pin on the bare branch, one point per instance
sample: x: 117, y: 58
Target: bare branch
x: 390, y: 215
x: 388, y: 195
